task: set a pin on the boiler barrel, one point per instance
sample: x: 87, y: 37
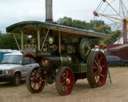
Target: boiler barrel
x: 63, y: 60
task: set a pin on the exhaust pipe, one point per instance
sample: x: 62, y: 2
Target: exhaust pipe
x: 48, y: 7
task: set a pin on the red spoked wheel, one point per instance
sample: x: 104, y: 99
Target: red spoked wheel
x: 64, y: 81
x: 97, y: 69
x: 34, y: 81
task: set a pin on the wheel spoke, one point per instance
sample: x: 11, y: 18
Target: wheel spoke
x: 101, y: 75
x: 36, y: 84
x: 67, y: 74
x: 96, y: 73
x: 99, y: 67
x: 97, y: 78
x: 33, y: 85
x: 63, y: 78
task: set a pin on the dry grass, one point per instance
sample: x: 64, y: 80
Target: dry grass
x: 117, y: 92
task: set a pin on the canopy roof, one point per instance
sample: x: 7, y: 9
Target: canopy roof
x: 29, y: 26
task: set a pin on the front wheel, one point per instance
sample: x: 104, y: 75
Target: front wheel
x: 17, y: 79
x: 34, y: 81
x: 64, y: 81
x: 97, y: 69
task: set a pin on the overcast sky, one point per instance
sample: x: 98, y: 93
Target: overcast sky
x: 12, y: 11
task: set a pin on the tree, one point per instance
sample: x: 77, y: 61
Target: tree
x: 98, y: 26
x: 7, y: 41
x: 65, y: 21
x: 114, y: 36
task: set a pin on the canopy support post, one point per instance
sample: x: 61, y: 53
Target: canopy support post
x: 18, y: 46
x: 22, y: 40
x: 59, y: 42
x: 45, y: 38
x: 38, y: 40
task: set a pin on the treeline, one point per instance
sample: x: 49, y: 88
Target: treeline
x: 95, y: 25
x: 7, y: 41
x: 98, y: 26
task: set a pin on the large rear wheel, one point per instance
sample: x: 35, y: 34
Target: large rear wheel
x: 34, y: 81
x: 97, y: 69
x: 64, y: 81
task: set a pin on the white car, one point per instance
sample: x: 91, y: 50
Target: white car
x: 14, y: 67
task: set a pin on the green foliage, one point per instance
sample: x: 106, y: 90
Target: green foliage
x: 73, y: 23
x: 98, y: 26
x: 7, y: 41
x: 114, y: 36
x: 95, y: 25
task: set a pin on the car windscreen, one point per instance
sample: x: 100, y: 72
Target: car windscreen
x: 12, y: 59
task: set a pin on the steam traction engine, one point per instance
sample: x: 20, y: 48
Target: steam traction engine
x: 65, y: 54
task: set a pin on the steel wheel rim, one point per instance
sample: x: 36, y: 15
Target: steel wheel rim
x: 36, y: 81
x: 67, y: 81
x: 99, y: 69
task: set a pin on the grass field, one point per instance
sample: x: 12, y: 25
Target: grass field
x: 115, y: 92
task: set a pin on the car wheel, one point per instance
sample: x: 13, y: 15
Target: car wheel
x: 17, y: 79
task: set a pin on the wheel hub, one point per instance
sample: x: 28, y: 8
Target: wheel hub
x: 68, y: 81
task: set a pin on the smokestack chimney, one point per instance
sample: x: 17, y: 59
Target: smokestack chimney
x: 48, y: 4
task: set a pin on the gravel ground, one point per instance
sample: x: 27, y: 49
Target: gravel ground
x: 115, y: 92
